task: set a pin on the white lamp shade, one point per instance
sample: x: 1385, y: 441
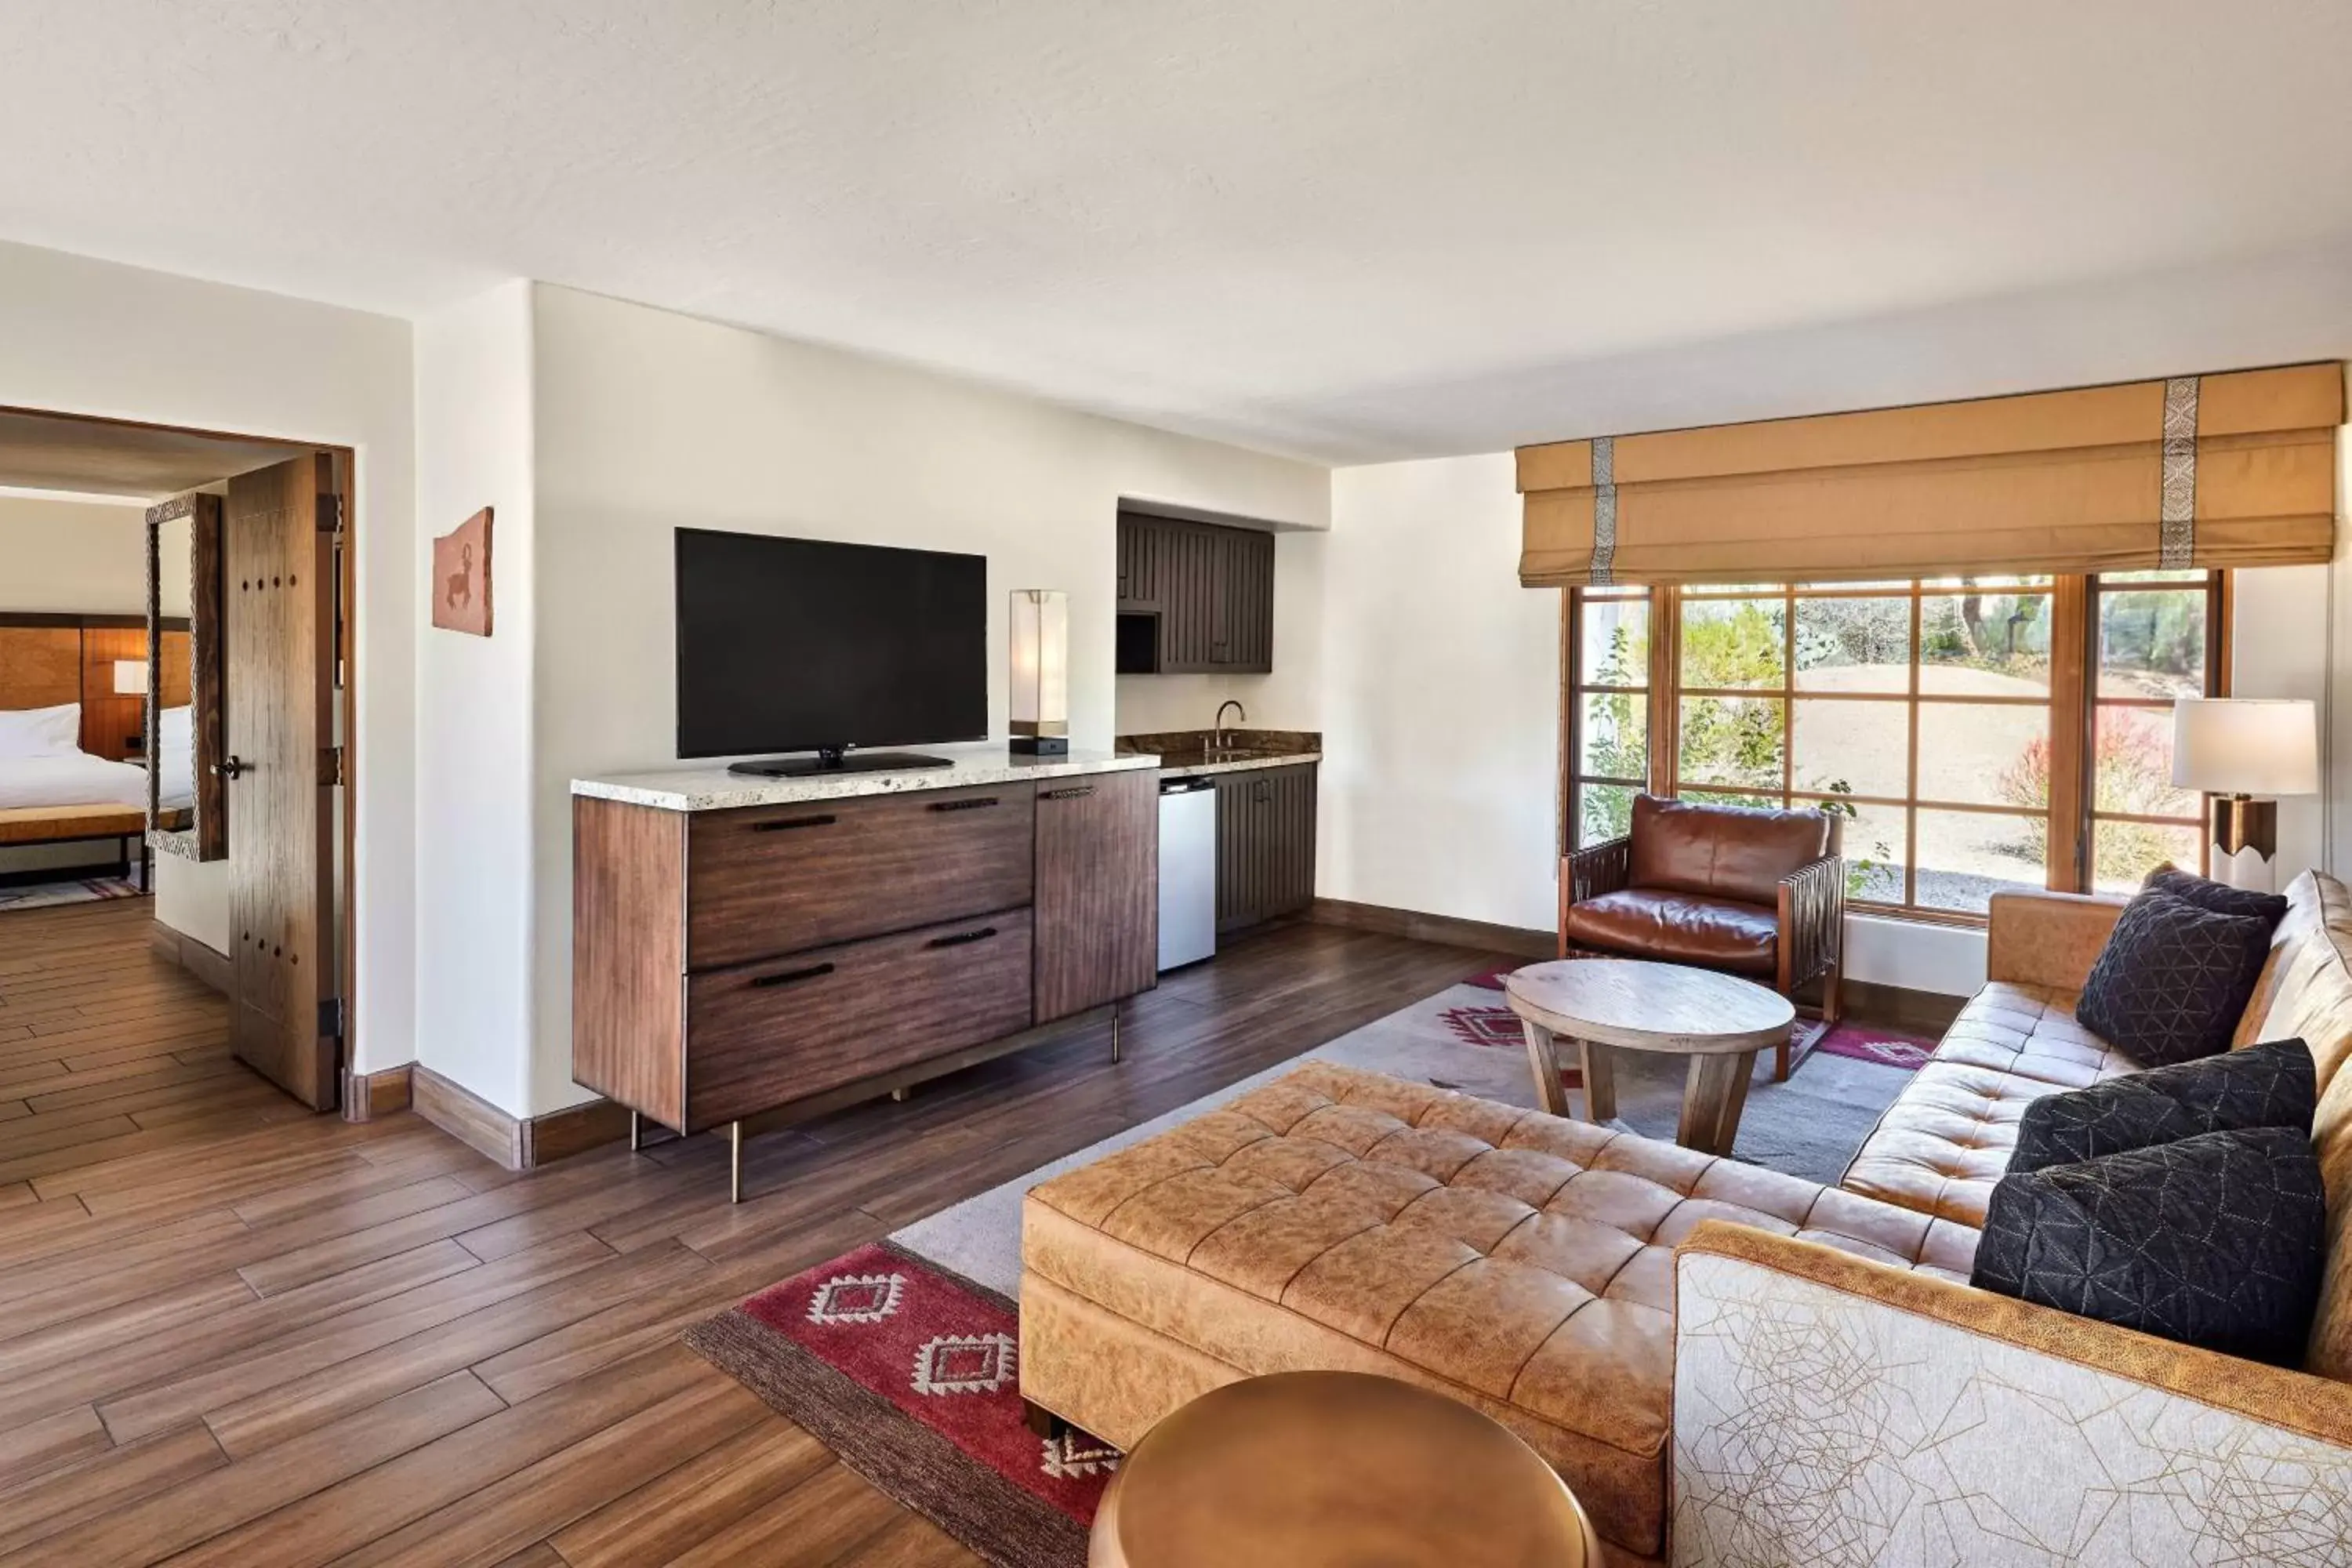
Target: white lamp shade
x: 1039, y: 641
x: 2245, y: 745
x: 130, y: 677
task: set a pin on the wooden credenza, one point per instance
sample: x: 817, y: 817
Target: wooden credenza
x: 804, y: 954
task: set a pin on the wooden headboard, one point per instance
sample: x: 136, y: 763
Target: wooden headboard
x: 46, y: 659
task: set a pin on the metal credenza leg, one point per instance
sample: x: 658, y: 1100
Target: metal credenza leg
x: 735, y: 1162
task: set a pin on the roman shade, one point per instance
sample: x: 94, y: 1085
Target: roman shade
x: 2235, y: 470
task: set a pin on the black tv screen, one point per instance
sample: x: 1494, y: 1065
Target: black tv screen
x: 799, y: 645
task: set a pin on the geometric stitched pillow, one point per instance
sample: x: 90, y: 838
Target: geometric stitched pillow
x: 2218, y: 897
x: 2274, y: 1085
x: 2172, y: 979
x: 2218, y: 1240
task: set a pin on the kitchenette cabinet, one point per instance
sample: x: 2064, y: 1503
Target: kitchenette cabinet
x: 1206, y: 592
x: 1265, y: 844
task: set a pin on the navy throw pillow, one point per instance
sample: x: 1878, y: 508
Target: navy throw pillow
x: 2218, y: 897
x: 2271, y: 1085
x: 2172, y: 979
x: 2218, y: 1240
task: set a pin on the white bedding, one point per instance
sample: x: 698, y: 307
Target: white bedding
x: 79, y: 778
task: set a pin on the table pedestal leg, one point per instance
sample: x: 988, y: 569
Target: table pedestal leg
x: 1543, y: 1062
x: 1713, y: 1098
x: 1600, y: 1082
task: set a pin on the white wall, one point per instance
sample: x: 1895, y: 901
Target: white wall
x: 1441, y: 698
x: 79, y: 336
x: 1289, y: 696
x: 1439, y: 788
x: 474, y: 859
x: 68, y: 556
x: 646, y: 421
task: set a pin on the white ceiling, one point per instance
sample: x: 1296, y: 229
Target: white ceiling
x: 1352, y: 228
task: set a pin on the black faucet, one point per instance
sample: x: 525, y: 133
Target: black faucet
x: 1217, y: 738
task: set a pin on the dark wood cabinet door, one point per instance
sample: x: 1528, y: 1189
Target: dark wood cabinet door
x: 1098, y: 904
x: 1265, y: 844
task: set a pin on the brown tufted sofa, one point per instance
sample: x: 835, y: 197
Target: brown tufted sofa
x: 1805, y: 1365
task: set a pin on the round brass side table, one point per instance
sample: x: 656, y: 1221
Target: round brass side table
x: 1321, y: 1470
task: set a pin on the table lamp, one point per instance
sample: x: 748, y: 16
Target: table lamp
x: 2236, y: 749
x: 1039, y: 643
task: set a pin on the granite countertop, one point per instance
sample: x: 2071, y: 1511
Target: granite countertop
x: 713, y: 788
x: 1186, y: 754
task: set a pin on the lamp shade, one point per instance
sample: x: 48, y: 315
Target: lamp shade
x: 2245, y: 745
x: 1039, y: 644
x: 130, y: 677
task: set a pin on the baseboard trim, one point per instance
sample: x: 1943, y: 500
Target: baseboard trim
x: 517, y: 1142
x: 368, y: 1096
x: 208, y: 966
x: 574, y: 1129
x: 1929, y: 1013
x: 1516, y: 940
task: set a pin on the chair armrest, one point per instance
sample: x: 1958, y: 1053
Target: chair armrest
x: 2047, y: 939
x: 1811, y: 919
x: 1595, y: 870
x: 1826, y: 1407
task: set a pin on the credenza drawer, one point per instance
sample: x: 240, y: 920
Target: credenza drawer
x: 769, y: 1033
x: 778, y: 878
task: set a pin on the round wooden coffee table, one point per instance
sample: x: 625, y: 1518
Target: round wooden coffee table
x: 1321, y: 1469
x: 1606, y: 1005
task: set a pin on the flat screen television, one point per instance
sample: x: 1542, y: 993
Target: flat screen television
x: 803, y: 645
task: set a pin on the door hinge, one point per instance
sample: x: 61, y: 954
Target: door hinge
x: 330, y: 1017
x: 331, y: 765
x: 331, y: 512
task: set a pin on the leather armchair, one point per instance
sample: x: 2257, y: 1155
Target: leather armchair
x: 1752, y: 892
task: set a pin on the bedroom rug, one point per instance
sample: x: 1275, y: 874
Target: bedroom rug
x: 78, y: 890
x: 910, y: 1375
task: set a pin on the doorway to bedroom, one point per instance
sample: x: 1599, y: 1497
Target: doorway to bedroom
x: 175, y: 709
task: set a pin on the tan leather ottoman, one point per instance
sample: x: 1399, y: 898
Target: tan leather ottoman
x: 1340, y: 1219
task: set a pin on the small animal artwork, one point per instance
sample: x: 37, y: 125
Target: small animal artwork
x: 461, y: 576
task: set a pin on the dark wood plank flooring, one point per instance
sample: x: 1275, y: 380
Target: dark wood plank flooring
x: 234, y: 1332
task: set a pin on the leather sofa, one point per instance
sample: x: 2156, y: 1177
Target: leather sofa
x: 1728, y: 1364
x: 1754, y: 892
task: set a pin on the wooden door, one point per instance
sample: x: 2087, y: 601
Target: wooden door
x: 277, y: 567
x: 1265, y: 844
x: 1098, y: 892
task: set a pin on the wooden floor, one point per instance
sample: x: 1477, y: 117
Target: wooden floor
x: 233, y: 1332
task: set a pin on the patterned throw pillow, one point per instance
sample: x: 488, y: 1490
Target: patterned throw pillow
x: 2171, y: 983
x: 2218, y: 897
x: 2273, y: 1085
x: 2218, y: 1240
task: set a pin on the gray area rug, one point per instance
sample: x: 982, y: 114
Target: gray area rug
x: 1809, y: 1126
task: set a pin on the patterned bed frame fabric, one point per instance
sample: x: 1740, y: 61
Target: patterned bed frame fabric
x: 1817, y: 1423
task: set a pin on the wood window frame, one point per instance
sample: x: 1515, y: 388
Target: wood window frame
x: 2073, y: 704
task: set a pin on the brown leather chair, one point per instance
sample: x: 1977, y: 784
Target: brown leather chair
x: 1752, y: 892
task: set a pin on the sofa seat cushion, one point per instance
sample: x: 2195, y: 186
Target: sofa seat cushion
x: 1946, y: 1141
x: 1677, y: 928
x: 1519, y: 1261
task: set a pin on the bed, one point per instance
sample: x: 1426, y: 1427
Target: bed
x: 68, y: 739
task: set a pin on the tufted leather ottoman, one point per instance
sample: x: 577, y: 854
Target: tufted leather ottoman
x: 1946, y: 1141
x: 1337, y: 1218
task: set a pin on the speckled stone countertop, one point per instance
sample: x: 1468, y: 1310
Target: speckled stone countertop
x: 1186, y: 754
x: 716, y: 789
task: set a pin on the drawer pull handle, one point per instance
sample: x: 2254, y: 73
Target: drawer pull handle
x: 961, y: 939
x: 790, y: 976
x: 1075, y: 792
x: 785, y: 823
x: 964, y: 804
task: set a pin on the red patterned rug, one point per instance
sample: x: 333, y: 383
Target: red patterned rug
x: 1499, y: 1027
x: 912, y: 1376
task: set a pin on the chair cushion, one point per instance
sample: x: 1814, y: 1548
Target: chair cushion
x: 1519, y: 1261
x: 2271, y: 1085
x: 1734, y: 852
x: 1678, y: 928
x: 2173, y: 979
x: 1947, y: 1138
x: 2215, y: 1240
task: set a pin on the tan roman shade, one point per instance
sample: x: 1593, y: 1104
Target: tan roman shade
x: 2236, y: 469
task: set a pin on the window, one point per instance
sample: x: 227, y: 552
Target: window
x: 1931, y: 714
x: 1610, y: 719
